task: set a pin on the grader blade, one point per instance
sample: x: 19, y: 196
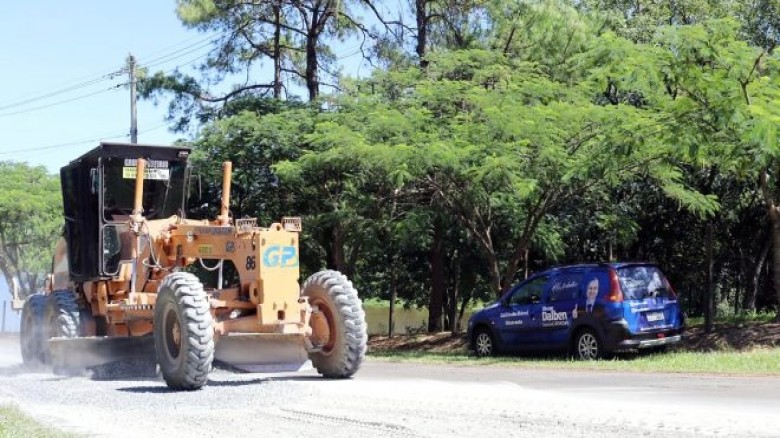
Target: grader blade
x: 263, y: 353
x: 86, y: 352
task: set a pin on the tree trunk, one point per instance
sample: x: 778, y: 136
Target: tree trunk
x: 9, y: 280
x: 774, y: 215
x: 494, y: 272
x: 709, y: 307
x: 438, y: 280
x: 312, y: 67
x: 774, y: 220
x: 393, y: 296
x: 525, y: 265
x: 749, y: 304
x: 452, y: 308
x: 422, y: 31
x: 339, y: 261
x: 463, y: 304
x: 277, y: 51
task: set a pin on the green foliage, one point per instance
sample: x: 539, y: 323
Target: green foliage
x: 30, y: 221
x: 567, y: 131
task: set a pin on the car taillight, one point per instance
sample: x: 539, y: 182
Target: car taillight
x: 615, y: 294
x: 670, y: 289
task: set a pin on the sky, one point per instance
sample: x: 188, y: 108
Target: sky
x: 58, y: 98
x: 48, y: 47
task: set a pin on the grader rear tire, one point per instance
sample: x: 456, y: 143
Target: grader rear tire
x: 61, y: 318
x: 338, y: 324
x: 31, y: 332
x: 183, y: 332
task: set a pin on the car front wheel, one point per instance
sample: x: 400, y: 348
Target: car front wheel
x: 483, y: 343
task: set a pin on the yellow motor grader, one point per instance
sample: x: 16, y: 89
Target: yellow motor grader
x: 122, y: 286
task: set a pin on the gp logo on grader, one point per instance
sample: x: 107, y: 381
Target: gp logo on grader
x: 280, y: 256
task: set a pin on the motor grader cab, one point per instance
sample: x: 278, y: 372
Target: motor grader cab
x: 121, y: 286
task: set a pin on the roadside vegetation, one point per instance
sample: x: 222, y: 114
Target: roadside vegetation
x: 15, y: 424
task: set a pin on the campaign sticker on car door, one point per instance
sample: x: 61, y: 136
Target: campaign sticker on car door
x: 553, y: 318
x: 513, y: 318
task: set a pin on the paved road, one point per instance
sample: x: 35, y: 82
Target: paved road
x: 405, y: 400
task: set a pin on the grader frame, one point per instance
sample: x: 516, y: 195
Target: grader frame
x: 140, y: 301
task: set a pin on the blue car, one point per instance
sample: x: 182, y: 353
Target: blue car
x: 590, y: 310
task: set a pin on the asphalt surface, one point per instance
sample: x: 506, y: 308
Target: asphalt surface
x: 401, y: 399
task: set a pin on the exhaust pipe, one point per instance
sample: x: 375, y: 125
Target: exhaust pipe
x: 136, y: 218
x: 227, y: 173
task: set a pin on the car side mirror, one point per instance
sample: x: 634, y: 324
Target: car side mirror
x: 535, y: 299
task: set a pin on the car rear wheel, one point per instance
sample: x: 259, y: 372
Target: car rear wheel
x: 483, y: 343
x: 587, y: 345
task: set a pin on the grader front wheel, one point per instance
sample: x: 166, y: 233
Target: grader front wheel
x: 62, y: 320
x: 338, y: 324
x: 183, y: 332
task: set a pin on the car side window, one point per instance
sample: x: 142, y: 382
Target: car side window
x: 529, y: 293
x: 565, y: 287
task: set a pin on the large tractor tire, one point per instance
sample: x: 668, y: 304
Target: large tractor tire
x: 183, y: 332
x: 61, y: 319
x: 338, y: 325
x: 32, y: 332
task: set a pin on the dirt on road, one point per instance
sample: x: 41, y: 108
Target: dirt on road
x: 739, y: 337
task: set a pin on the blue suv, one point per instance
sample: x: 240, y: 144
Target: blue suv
x: 592, y: 310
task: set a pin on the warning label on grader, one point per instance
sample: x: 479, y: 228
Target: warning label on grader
x: 155, y: 174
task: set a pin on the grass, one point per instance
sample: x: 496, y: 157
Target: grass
x: 764, y: 361
x: 759, y: 317
x: 13, y: 423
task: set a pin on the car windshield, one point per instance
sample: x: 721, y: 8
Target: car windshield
x: 163, y: 188
x: 640, y: 282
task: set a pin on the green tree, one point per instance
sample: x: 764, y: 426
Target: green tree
x: 30, y: 221
x: 296, y: 36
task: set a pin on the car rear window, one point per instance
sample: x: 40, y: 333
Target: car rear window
x: 640, y: 282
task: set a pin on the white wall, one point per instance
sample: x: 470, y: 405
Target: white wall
x: 11, y: 317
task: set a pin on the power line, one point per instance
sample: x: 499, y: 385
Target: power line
x: 60, y: 102
x: 171, y: 57
x: 92, y: 79
x: 179, y: 53
x: 108, y: 136
x: 83, y: 96
x: 200, y: 40
x: 59, y: 145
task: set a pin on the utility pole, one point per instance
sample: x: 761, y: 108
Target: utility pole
x: 133, y: 113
